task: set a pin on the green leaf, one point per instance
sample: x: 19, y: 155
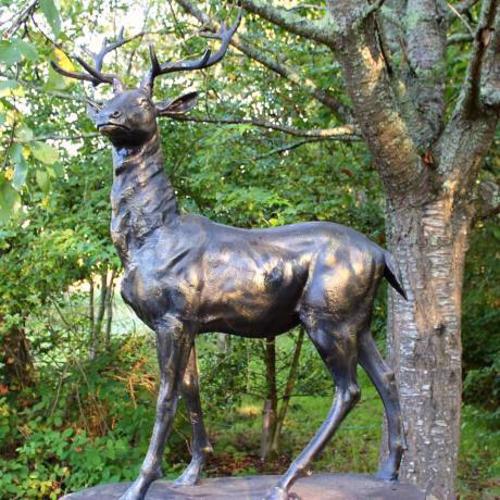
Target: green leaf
x: 21, y: 167
x: 58, y: 169
x: 56, y: 81
x: 6, y: 86
x: 24, y: 134
x: 9, y: 201
x: 44, y: 152
x: 9, y: 53
x: 20, y: 173
x: 67, y: 432
x: 42, y: 179
x: 51, y: 13
x: 28, y: 50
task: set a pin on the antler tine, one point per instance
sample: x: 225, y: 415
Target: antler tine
x: 109, y: 47
x: 155, y: 65
x: 98, y: 76
x: 95, y: 76
x: 206, y: 60
x: 72, y: 74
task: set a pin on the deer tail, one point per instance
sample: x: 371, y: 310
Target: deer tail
x: 393, y: 275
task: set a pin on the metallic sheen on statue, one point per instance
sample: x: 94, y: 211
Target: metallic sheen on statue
x: 185, y: 275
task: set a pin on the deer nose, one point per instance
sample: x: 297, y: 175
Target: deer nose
x: 115, y: 114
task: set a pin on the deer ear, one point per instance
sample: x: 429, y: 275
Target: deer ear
x: 177, y: 106
x: 92, y: 110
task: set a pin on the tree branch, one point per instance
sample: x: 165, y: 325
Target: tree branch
x: 460, y: 7
x: 375, y: 105
x: 471, y: 128
x: 391, y: 29
x: 483, y: 38
x: 66, y: 137
x: 372, y: 8
x: 426, y: 51
x: 285, y: 149
x: 461, y: 17
x: 318, y: 31
x: 490, y: 73
x: 458, y: 38
x: 346, y: 133
x: 488, y: 198
x: 323, y: 96
x: 22, y: 17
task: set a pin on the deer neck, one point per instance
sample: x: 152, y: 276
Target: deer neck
x: 142, y: 198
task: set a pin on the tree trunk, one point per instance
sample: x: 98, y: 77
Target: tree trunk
x: 429, y: 243
x: 92, y: 352
x: 271, y: 401
x: 109, y: 309
x: 290, y: 384
x: 223, y: 343
x: 18, y: 371
x: 97, y: 316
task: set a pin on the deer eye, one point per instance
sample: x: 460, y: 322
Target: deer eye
x: 143, y: 102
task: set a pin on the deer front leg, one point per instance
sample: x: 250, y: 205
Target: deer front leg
x: 174, y: 342
x: 200, y: 447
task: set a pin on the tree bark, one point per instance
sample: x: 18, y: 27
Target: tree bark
x: 18, y: 371
x: 91, y: 320
x: 424, y: 339
x: 104, y: 289
x: 271, y: 401
x: 287, y: 394
x: 109, y: 308
x: 428, y: 217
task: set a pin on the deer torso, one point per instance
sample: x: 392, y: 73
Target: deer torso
x: 246, y: 282
x: 249, y: 282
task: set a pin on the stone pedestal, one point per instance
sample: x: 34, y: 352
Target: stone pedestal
x: 315, y: 487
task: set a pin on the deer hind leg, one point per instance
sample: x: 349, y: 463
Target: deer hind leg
x: 200, y: 446
x: 336, y: 343
x: 384, y: 381
x: 174, y: 343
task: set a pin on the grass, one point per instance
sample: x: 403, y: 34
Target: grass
x: 354, y: 448
x: 479, y: 462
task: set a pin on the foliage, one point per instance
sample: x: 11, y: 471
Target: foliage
x: 481, y: 337
x: 85, y: 423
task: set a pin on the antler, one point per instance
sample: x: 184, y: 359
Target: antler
x: 206, y: 60
x: 94, y: 74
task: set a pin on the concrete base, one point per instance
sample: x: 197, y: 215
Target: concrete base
x: 315, y: 487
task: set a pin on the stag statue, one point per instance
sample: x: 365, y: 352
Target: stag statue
x: 185, y: 275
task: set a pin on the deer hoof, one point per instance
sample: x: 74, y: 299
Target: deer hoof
x: 133, y: 493
x: 278, y: 493
x: 387, y: 475
x: 191, y: 474
x: 185, y: 481
x: 187, y: 478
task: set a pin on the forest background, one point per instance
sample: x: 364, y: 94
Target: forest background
x: 265, y: 146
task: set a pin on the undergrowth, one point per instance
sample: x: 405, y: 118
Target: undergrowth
x: 89, y: 423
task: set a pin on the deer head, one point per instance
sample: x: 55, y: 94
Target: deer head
x: 129, y: 117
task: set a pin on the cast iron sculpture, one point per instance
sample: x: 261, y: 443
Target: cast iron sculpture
x: 184, y: 275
